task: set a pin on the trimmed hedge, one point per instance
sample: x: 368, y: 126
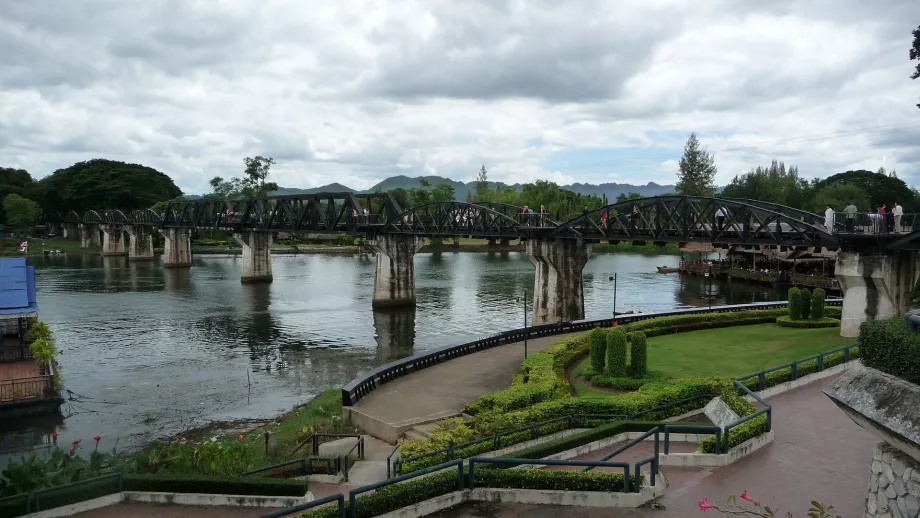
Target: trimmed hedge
x: 817, y: 304
x: 795, y: 304
x: 396, y: 496
x: 60, y: 498
x: 786, y: 321
x: 638, y: 365
x: 587, y: 437
x: 597, y: 339
x: 740, y: 433
x: 216, y: 485
x: 806, y: 303
x: 887, y: 345
x: 623, y: 383
x: 616, y: 353
x: 605, y: 481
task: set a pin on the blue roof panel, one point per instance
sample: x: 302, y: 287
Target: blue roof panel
x: 17, y: 286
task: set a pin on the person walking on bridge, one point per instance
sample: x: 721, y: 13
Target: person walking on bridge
x: 829, y: 219
x: 898, y: 212
x: 850, y: 211
x: 720, y: 219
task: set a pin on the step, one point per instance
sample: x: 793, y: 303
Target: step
x: 413, y: 435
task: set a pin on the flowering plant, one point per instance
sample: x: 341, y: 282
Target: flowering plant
x: 754, y: 508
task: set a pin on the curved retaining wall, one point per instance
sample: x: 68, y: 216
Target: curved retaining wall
x: 371, y: 380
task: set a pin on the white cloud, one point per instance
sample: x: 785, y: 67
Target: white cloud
x: 353, y: 92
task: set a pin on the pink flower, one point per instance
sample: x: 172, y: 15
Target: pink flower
x: 744, y: 496
x: 54, y: 436
x: 97, y: 438
x: 76, y: 442
x: 615, y: 323
x: 71, y: 451
x: 706, y: 505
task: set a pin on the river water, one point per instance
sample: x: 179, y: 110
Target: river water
x: 148, y: 352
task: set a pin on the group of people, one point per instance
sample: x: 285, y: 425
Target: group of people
x: 886, y: 219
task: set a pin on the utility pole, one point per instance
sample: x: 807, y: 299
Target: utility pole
x: 526, y: 331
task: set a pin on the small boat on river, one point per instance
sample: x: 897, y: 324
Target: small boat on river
x: 668, y: 269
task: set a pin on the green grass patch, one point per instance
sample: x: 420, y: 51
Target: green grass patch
x: 729, y: 351
x: 10, y: 246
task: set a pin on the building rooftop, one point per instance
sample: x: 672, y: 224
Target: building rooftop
x: 17, y: 289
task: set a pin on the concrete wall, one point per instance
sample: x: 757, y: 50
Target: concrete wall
x: 894, y: 487
x: 177, y: 248
x: 257, y: 258
x: 113, y: 240
x: 394, y: 284
x: 89, y: 235
x: 558, y: 288
x: 874, y: 286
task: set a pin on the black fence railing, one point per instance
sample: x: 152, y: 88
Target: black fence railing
x: 375, y: 378
x: 15, y: 354
x: 796, y: 366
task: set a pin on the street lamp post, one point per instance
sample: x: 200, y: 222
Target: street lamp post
x: 526, y: 331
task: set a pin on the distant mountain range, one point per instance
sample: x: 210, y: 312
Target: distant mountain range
x: 612, y: 190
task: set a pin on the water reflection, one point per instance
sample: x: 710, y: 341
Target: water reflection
x: 150, y: 351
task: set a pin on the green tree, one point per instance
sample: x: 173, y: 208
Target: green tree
x: 14, y: 181
x: 806, y: 303
x: 597, y: 340
x: 697, y: 170
x: 442, y: 193
x: 253, y: 184
x: 915, y: 54
x: 795, y: 304
x: 774, y: 183
x: 838, y: 197
x: 628, y: 196
x: 638, y: 365
x: 879, y: 188
x: 103, y: 184
x: 616, y: 353
x: 21, y: 213
x: 817, y: 304
x: 482, y: 184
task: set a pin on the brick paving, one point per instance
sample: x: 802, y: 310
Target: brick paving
x: 818, y: 454
x: 11, y: 390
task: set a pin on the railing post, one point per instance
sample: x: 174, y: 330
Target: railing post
x: 352, y: 502
x: 769, y: 418
x: 846, y: 353
x: 655, y: 462
x: 472, y: 483
x: 761, y: 380
x: 820, y: 362
x: 793, y: 370
x: 460, y: 483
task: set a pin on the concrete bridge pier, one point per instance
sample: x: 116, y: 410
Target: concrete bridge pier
x: 177, y: 248
x: 875, y: 286
x: 71, y: 231
x: 257, y: 259
x: 113, y: 240
x: 558, y: 288
x: 89, y: 235
x: 140, y: 243
x: 394, y: 284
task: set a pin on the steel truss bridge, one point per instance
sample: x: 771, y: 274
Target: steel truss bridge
x: 663, y: 219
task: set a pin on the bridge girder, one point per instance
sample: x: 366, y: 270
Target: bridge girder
x: 454, y: 219
x: 516, y: 212
x: 693, y: 219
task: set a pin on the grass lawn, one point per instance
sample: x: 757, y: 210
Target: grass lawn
x: 10, y: 247
x: 729, y: 351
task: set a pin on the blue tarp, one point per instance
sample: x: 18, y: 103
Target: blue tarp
x: 17, y: 287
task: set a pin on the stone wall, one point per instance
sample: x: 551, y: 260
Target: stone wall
x: 894, y: 488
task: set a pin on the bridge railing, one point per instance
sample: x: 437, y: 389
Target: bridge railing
x: 375, y: 378
x: 873, y: 223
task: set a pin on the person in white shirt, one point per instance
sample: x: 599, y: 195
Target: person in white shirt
x: 898, y: 212
x: 720, y: 219
x: 829, y: 219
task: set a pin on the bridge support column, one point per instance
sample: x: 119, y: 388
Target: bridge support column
x: 257, y: 259
x: 113, y: 240
x: 395, y: 282
x: 177, y: 248
x: 558, y: 288
x: 140, y: 243
x: 71, y: 231
x: 89, y: 235
x: 874, y: 286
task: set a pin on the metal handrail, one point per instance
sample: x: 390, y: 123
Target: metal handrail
x: 390, y: 457
x: 654, y: 431
x: 691, y: 428
x: 793, y: 365
x: 352, y: 504
x: 302, y: 462
x: 338, y: 497
x: 36, y: 506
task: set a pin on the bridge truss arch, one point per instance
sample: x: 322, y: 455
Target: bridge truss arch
x: 516, y: 212
x: 92, y: 217
x: 115, y: 217
x: 147, y: 217
x: 693, y: 219
x: 455, y: 219
x: 72, y: 217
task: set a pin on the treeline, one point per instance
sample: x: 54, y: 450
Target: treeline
x: 867, y: 190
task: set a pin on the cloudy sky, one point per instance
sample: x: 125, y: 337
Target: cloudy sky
x: 355, y: 91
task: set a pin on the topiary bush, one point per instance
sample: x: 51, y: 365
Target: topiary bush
x: 638, y: 364
x: 887, y: 345
x: 795, y: 304
x: 817, y: 304
x: 597, y: 339
x: 806, y: 303
x: 616, y: 353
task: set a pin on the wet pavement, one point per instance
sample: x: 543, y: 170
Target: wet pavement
x: 818, y: 454
x: 130, y: 510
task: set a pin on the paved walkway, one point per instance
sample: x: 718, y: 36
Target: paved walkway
x: 444, y: 389
x: 818, y: 454
x: 128, y: 510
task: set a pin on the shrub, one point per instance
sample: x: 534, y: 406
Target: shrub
x: 558, y: 480
x: 544, y: 450
x: 742, y: 432
x: 785, y: 321
x: 795, y: 304
x: 806, y: 303
x: 616, y: 353
x: 396, y: 496
x: 887, y: 345
x: 598, y: 340
x: 817, y: 304
x: 802, y: 369
x: 638, y: 364
x: 216, y: 485
x: 623, y: 383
